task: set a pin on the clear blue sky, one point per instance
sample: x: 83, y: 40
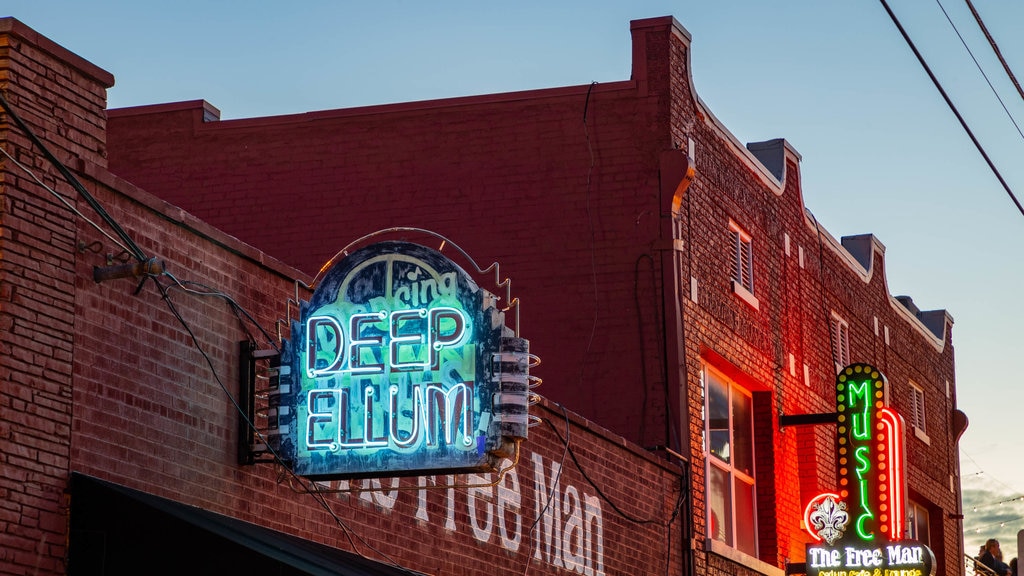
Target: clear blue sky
x: 881, y: 151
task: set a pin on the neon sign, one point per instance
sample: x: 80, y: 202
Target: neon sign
x: 400, y: 365
x: 860, y: 528
x: 893, y: 559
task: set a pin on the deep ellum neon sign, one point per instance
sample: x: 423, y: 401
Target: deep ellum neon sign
x: 399, y: 365
x: 860, y: 529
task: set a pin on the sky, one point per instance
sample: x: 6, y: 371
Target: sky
x: 882, y: 152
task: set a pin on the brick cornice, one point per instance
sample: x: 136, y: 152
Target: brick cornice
x: 14, y: 28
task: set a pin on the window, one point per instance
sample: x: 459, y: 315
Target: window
x: 729, y: 451
x: 917, y: 408
x: 742, y: 257
x: 917, y: 523
x: 742, y: 265
x: 840, y: 337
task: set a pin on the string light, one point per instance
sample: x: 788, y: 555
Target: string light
x: 1001, y: 505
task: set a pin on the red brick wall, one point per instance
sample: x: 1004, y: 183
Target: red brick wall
x: 60, y: 94
x: 102, y: 379
x: 795, y: 306
x: 150, y: 415
x: 63, y: 97
x: 578, y: 212
x: 565, y: 188
x: 457, y: 170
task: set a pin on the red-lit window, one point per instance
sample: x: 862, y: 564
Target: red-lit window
x: 729, y: 449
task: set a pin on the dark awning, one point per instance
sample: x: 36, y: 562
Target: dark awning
x: 115, y: 529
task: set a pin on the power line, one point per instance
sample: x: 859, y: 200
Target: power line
x: 975, y: 508
x: 983, y: 74
x: 60, y: 197
x: 310, y: 488
x: 952, y: 106
x: 129, y: 245
x: 1000, y: 523
x: 981, y: 471
x: 995, y: 48
x: 96, y: 206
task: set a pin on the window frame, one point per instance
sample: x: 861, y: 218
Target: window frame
x: 915, y: 511
x: 713, y: 462
x: 742, y: 273
x: 839, y: 337
x: 918, y: 413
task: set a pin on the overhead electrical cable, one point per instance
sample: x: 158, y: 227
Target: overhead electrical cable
x: 978, y: 64
x: 311, y: 488
x: 995, y: 48
x: 240, y: 312
x: 63, y: 200
x: 551, y: 494
x: 952, y: 107
x: 990, y: 477
x: 125, y: 238
x: 126, y: 243
x: 603, y: 496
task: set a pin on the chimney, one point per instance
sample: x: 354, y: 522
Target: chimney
x: 61, y: 96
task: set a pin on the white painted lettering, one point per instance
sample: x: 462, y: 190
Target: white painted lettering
x: 510, y: 505
x: 420, y: 292
x: 570, y: 531
x: 548, y: 511
x: 421, y: 497
x: 573, y: 554
x: 486, y: 495
x: 449, y: 520
x: 386, y: 499
x: 594, y: 535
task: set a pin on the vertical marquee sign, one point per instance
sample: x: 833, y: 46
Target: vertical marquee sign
x: 860, y: 529
x: 399, y: 365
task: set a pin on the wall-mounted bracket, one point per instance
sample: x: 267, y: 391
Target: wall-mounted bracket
x: 258, y: 403
x: 808, y: 419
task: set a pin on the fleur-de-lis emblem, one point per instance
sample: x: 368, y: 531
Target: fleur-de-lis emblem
x: 829, y: 519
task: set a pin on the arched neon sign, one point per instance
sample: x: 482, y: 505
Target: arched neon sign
x: 400, y: 364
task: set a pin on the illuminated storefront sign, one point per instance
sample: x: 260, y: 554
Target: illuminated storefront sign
x: 400, y: 364
x: 860, y: 529
x: 903, y: 558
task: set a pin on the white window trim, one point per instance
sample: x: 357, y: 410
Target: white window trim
x: 839, y: 330
x: 922, y: 436
x: 919, y: 413
x: 740, y: 238
x: 745, y: 295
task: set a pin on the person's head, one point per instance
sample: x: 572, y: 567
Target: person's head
x: 992, y: 545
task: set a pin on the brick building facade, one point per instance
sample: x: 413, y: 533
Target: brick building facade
x: 664, y: 270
